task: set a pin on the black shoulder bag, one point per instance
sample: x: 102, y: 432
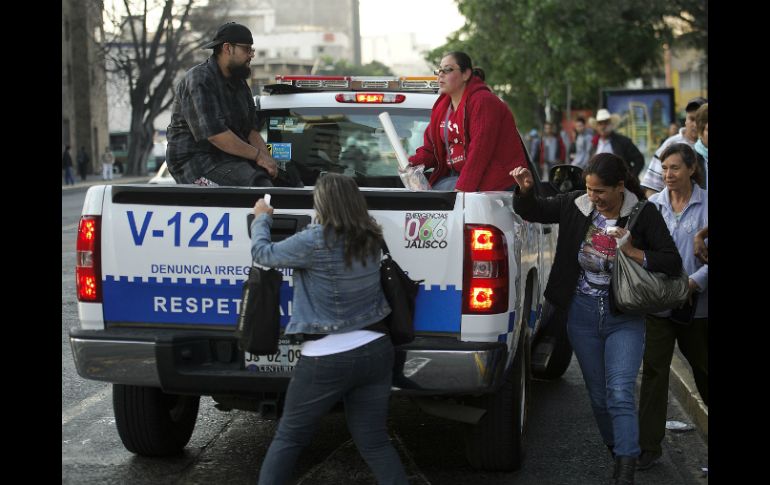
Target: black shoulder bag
x: 260, y: 315
x: 401, y: 293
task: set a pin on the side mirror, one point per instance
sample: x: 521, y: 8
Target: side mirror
x: 566, y: 178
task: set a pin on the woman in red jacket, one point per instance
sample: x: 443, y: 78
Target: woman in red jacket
x: 472, y: 142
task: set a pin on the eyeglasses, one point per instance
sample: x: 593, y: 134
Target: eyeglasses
x: 445, y: 70
x: 247, y: 47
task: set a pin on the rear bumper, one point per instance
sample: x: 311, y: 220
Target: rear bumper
x: 209, y: 363
x: 444, y: 366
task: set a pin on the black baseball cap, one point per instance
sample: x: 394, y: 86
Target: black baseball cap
x: 232, y: 33
x: 694, y: 104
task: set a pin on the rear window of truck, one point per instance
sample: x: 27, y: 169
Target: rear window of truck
x: 312, y: 141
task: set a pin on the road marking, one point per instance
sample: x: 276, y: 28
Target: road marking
x: 71, y: 226
x: 80, y: 408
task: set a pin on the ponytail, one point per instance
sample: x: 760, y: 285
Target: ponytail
x: 477, y: 71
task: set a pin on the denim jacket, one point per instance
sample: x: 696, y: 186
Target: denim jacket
x: 328, y: 296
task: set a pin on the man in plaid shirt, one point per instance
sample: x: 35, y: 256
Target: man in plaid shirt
x: 212, y: 138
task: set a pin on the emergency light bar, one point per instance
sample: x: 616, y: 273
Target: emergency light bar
x: 357, y: 83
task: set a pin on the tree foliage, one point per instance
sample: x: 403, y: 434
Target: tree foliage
x: 343, y: 67
x: 532, y: 49
x: 149, y: 54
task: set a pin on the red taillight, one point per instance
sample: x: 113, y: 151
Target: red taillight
x: 88, y: 274
x: 377, y: 98
x: 485, y: 278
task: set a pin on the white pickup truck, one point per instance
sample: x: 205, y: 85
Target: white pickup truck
x: 160, y: 267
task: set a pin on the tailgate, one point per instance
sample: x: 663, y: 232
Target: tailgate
x: 176, y: 256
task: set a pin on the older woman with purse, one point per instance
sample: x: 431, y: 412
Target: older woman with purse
x: 684, y: 207
x: 608, y: 343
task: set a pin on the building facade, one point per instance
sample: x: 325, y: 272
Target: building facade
x: 84, y: 95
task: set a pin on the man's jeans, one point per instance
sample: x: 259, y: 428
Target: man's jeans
x: 361, y: 378
x: 239, y: 174
x: 609, y: 349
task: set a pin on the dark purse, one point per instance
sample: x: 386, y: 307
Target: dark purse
x: 401, y: 293
x: 260, y: 315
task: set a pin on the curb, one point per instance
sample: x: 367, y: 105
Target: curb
x: 682, y: 386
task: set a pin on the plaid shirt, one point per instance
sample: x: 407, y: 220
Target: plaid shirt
x: 206, y: 104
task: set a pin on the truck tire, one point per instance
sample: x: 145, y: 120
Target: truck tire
x: 496, y: 442
x: 554, y: 338
x: 152, y: 423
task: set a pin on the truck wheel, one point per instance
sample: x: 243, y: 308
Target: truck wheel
x: 496, y: 442
x: 152, y: 423
x: 554, y: 342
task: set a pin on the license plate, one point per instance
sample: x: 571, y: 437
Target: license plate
x: 282, y: 361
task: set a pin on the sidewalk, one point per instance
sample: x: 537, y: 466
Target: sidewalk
x: 96, y: 179
x: 682, y: 386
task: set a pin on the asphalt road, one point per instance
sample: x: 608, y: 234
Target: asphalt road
x: 563, y: 444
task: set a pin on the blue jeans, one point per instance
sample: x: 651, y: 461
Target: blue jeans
x: 361, y: 378
x: 68, y: 178
x: 609, y: 349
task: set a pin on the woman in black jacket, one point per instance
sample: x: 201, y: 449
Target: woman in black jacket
x: 608, y: 344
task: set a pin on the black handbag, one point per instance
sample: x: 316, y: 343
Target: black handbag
x: 401, y: 293
x: 259, y: 320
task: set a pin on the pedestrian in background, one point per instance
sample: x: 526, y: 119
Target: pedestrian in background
x: 550, y: 151
x: 673, y: 129
x: 83, y: 160
x: 212, y: 137
x: 66, y: 164
x: 533, y: 140
x: 653, y: 179
x: 108, y: 159
x: 702, y: 145
x: 700, y: 241
x: 582, y: 145
x: 608, y: 344
x: 684, y: 207
x: 471, y: 141
x: 339, y: 307
x: 610, y: 141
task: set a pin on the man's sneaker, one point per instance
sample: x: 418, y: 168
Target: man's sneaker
x: 647, y: 459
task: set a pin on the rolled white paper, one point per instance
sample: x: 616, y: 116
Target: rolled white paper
x: 390, y: 130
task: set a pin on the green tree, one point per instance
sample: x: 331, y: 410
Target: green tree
x: 532, y: 50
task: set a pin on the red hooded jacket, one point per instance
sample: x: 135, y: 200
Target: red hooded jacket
x: 493, y: 146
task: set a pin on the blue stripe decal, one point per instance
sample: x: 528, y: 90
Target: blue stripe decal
x: 438, y: 310
x: 208, y: 302
x: 533, y: 316
x: 159, y: 300
x: 511, y: 321
x: 503, y: 337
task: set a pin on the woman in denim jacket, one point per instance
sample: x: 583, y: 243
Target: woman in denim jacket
x: 339, y: 307
x: 684, y: 206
